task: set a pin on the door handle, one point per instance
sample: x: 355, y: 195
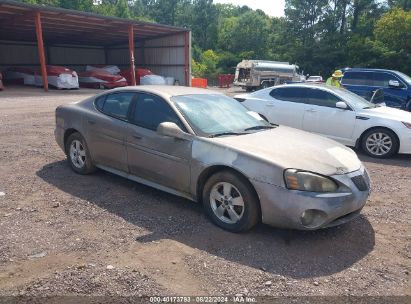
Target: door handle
x: 91, y: 122
x: 311, y: 110
x: 270, y: 105
x: 135, y: 136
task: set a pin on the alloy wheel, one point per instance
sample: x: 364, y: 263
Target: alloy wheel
x: 379, y: 143
x: 227, y: 202
x: 77, y: 154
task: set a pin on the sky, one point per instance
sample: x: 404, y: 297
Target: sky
x: 274, y: 8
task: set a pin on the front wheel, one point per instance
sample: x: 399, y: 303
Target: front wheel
x: 230, y: 202
x: 380, y: 143
x: 78, y: 155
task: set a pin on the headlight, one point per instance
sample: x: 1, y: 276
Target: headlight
x: 307, y: 181
x: 407, y: 124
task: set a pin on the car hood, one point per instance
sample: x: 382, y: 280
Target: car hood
x: 287, y: 147
x: 388, y: 113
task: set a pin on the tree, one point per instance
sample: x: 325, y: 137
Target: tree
x: 403, y: 4
x: 122, y: 9
x: 247, y: 33
x: 80, y: 5
x: 394, y: 30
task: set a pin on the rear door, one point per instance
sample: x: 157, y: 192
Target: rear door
x: 322, y: 116
x: 359, y: 82
x: 106, y: 130
x: 160, y: 159
x: 393, y: 96
x: 286, y: 106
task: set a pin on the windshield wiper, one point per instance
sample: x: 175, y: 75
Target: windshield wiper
x: 259, y: 128
x: 227, y: 133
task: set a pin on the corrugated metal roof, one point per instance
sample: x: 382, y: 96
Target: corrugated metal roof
x: 70, y: 26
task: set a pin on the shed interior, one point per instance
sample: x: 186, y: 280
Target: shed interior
x: 75, y: 39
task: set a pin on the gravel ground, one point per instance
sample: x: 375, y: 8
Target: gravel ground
x: 66, y: 234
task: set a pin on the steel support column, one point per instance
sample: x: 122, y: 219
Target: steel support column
x: 131, y: 49
x: 40, y: 46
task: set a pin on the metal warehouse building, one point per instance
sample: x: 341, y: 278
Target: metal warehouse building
x: 32, y: 36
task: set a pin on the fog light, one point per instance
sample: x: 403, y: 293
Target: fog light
x: 312, y: 218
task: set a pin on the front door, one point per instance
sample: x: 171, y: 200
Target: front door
x: 322, y: 117
x: 393, y: 96
x: 160, y: 159
x: 106, y: 130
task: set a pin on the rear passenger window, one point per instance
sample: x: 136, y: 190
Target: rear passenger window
x: 289, y: 94
x: 116, y: 104
x: 358, y: 78
x: 322, y: 98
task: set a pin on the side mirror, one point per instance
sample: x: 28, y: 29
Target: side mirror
x: 394, y: 84
x: 170, y: 129
x: 341, y: 105
x: 378, y: 97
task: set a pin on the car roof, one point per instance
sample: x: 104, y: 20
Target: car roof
x: 165, y: 91
x: 368, y: 70
x: 306, y: 85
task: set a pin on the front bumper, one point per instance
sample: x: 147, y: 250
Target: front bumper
x: 286, y: 208
x: 59, y: 135
x: 405, y: 142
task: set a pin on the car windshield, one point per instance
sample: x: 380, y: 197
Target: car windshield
x: 354, y: 100
x: 218, y: 115
x: 405, y: 77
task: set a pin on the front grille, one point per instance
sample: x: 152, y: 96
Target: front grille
x: 360, y: 182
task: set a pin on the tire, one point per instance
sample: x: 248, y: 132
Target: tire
x: 380, y: 143
x: 78, y: 155
x: 248, y: 89
x: 238, y: 210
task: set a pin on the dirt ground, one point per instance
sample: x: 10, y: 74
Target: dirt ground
x: 66, y: 234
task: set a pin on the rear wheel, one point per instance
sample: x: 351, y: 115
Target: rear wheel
x: 230, y: 202
x: 380, y: 143
x: 78, y: 155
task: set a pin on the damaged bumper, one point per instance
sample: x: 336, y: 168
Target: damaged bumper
x: 304, y: 210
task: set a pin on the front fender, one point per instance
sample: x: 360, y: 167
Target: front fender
x: 206, y: 154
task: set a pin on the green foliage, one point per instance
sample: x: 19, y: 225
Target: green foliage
x: 318, y: 35
x: 394, y: 30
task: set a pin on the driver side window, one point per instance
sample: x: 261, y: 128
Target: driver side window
x: 151, y: 110
x: 322, y: 98
x: 383, y: 79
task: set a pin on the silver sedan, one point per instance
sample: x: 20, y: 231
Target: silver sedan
x: 207, y: 147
